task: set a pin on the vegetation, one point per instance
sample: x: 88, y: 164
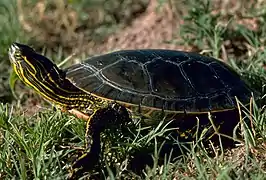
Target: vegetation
x: 40, y: 142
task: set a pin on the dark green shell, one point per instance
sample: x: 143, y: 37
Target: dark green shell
x: 172, y: 80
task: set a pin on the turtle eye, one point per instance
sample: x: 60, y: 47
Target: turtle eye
x: 18, y: 56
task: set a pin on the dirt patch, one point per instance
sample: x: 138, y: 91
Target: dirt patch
x: 71, y: 26
x: 156, y: 28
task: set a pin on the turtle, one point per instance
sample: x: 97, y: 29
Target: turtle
x: 116, y: 87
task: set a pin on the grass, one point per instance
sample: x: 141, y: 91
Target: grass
x: 43, y: 145
x: 31, y: 145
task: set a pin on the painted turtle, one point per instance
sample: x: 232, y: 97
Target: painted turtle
x: 116, y: 87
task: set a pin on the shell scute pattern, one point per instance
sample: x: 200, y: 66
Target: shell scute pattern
x: 172, y: 80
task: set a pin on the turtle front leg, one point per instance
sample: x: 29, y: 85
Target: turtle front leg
x: 113, y: 114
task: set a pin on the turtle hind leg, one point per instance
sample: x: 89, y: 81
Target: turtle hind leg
x: 114, y: 114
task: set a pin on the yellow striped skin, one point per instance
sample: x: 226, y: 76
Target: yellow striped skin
x: 47, y: 80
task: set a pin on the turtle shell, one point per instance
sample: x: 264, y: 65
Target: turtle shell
x: 163, y: 79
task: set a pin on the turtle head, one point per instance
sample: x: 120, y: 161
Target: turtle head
x: 32, y: 67
x: 40, y: 73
